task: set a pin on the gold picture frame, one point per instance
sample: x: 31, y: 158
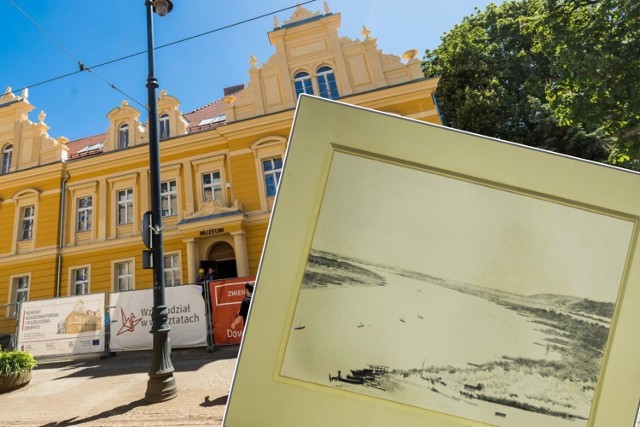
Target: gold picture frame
x: 419, y: 275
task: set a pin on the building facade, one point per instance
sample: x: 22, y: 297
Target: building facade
x: 71, y: 211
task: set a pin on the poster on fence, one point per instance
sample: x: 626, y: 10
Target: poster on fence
x: 61, y: 326
x: 226, y: 297
x: 130, y: 314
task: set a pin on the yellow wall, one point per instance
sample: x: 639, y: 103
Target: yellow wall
x: 257, y: 126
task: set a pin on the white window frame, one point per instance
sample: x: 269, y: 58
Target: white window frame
x: 123, y: 136
x: 126, y: 206
x: 23, y: 199
x: 264, y: 149
x: 78, y: 191
x: 7, y: 156
x: 164, y: 126
x: 275, y: 173
x: 84, y: 214
x: 323, y: 76
x: 74, y: 281
x: 169, y: 198
x: 27, y: 222
x: 130, y: 275
x: 118, y: 183
x: 304, y: 80
x: 172, y: 273
x: 212, y: 186
x: 14, y: 291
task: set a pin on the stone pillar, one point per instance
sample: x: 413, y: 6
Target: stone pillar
x: 240, y: 247
x: 192, y: 260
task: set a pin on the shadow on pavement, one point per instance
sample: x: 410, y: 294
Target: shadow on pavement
x: 222, y: 400
x: 119, y: 410
x: 131, y: 362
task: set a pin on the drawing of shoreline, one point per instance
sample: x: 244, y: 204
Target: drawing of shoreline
x: 444, y: 345
x: 471, y: 299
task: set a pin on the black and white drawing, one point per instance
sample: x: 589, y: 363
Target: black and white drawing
x: 455, y: 296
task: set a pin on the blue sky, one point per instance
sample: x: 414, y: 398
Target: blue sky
x: 195, y: 71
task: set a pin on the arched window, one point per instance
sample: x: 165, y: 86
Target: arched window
x: 123, y: 136
x: 302, y: 83
x: 165, y: 131
x: 327, y: 83
x: 7, y: 153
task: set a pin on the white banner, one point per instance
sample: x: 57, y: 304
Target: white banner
x: 61, y: 326
x: 130, y: 314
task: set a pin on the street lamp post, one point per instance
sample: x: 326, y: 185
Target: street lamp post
x: 161, y: 385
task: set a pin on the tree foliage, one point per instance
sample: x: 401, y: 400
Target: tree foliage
x: 562, y: 75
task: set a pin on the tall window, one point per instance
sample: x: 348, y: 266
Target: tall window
x: 272, y: 169
x: 168, y: 198
x: 125, y: 206
x: 171, y: 270
x: 28, y: 216
x: 302, y: 83
x: 165, y: 131
x: 124, y: 276
x: 211, y: 186
x: 327, y: 83
x: 80, y: 281
x: 85, y: 210
x: 7, y: 153
x: 19, y: 293
x: 123, y: 136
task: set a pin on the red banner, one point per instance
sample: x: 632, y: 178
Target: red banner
x: 226, y: 297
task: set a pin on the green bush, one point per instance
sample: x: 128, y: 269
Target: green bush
x: 16, y: 361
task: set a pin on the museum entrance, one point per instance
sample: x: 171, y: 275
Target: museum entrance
x: 222, y: 257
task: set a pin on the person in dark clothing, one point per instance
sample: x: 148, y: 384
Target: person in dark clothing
x: 212, y: 274
x: 241, y: 318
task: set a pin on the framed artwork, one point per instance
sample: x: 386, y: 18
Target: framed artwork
x: 419, y: 275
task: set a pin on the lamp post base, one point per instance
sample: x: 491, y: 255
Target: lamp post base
x: 161, y: 385
x: 161, y: 389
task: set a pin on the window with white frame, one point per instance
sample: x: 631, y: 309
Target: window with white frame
x: 168, y: 198
x: 27, y: 215
x: 125, y: 206
x: 19, y: 293
x: 85, y: 210
x: 7, y: 154
x: 211, y: 187
x: 171, y: 270
x: 80, y: 285
x: 165, y: 130
x: 123, y: 136
x: 302, y: 83
x: 327, y: 83
x: 272, y: 169
x: 123, y: 276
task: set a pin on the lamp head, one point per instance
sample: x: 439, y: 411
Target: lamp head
x: 162, y: 7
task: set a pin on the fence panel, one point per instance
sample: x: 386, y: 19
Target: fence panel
x: 9, y: 325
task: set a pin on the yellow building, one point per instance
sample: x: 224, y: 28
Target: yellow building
x: 71, y: 212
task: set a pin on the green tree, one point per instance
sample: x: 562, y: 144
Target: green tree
x: 523, y: 71
x: 596, y: 49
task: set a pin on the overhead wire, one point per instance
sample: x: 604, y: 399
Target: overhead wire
x: 82, y: 67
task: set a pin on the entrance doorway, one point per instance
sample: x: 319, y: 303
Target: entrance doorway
x: 222, y: 257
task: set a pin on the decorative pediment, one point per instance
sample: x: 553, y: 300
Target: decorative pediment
x: 212, y: 208
x: 300, y: 14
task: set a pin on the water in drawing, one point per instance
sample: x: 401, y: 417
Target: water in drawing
x: 446, y: 346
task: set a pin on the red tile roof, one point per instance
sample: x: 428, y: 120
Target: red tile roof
x: 82, y: 143
x: 208, y: 111
x: 195, y: 118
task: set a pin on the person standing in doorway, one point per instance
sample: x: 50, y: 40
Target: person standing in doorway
x: 211, y: 274
x: 200, y: 280
x: 241, y: 318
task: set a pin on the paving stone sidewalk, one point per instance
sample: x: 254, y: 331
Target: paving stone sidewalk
x: 109, y: 391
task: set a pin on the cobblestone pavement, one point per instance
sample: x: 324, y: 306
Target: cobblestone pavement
x: 109, y: 391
